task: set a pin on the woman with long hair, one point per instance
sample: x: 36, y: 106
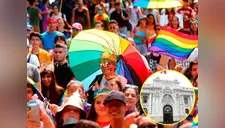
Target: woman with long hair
x: 194, y: 27
x: 175, y: 24
x: 192, y: 71
x: 139, y: 34
x: 50, y: 89
x: 131, y: 93
x: 98, y: 111
x: 64, y: 27
x: 150, y: 25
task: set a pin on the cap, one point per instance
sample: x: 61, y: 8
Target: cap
x: 142, y: 17
x: 30, y: 27
x: 115, y: 95
x: 77, y: 26
x: 69, y: 122
x: 51, y: 19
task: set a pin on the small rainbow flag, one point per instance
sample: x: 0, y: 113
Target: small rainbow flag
x: 39, y: 94
x: 174, y: 44
x: 195, y: 122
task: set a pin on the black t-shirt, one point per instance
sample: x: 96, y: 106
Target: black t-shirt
x: 81, y: 17
x: 153, y: 61
x: 63, y: 74
x: 117, y: 16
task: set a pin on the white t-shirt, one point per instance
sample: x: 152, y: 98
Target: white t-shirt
x: 59, y: 16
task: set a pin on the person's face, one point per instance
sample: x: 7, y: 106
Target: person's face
x: 52, y: 26
x: 55, y: 9
x: 80, y: 5
x: 169, y: 9
x: 194, y: 26
x: 194, y: 70
x: 170, y: 17
x: 113, y: 85
x: 99, y: 107
x: 174, y: 22
x: 115, y: 109
x: 71, y: 111
x: 151, y: 19
x: 118, y: 7
x: 131, y: 97
x: 61, y: 23
x: 107, y: 67
x: 46, y: 80
x: 35, y: 41
x: 29, y: 94
x: 99, y: 27
x: 73, y: 88
x: 60, y: 54
x: 185, y: 4
x: 36, y: 3
x: 113, y: 28
x: 143, y: 22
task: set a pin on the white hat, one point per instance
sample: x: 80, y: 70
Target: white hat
x: 195, y: 1
x: 75, y: 101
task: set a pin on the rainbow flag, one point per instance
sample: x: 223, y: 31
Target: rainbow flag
x: 174, y: 44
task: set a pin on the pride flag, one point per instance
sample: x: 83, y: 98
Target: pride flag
x: 174, y: 44
x: 195, y: 122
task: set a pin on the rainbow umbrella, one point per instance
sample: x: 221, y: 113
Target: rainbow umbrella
x: 157, y: 3
x: 85, y: 54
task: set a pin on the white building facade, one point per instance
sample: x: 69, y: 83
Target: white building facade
x: 166, y: 101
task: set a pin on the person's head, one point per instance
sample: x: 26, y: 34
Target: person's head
x: 60, y: 39
x: 115, y: 103
x: 170, y: 18
x: 61, y: 22
x: 194, y: 26
x: 118, y: 6
x: 97, y: 107
x: 99, y: 26
x: 87, y: 124
x: 48, y: 77
x: 186, y: 111
x: 142, y: 20
x: 52, y: 24
x: 30, y: 91
x: 151, y: 19
x: 35, y: 39
x: 76, y: 28
x: 175, y: 22
x: 157, y: 28
x: 30, y: 28
x: 113, y: 26
x: 185, y: 3
x: 145, y: 122
x: 114, y: 84
x: 80, y: 3
x: 60, y: 53
x: 131, y: 93
x: 74, y: 86
x: 108, y: 63
x: 194, y: 68
x: 33, y: 2
x: 55, y: 9
x: 73, y: 108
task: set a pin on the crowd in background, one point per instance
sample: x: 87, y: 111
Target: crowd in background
x: 112, y: 102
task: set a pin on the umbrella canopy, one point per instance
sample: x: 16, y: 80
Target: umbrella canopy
x: 85, y: 55
x: 157, y: 3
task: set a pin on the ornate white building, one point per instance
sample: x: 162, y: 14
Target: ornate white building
x: 165, y: 101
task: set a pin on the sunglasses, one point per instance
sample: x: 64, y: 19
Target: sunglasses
x: 112, y: 27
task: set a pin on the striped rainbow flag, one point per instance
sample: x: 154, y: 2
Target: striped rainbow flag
x: 174, y: 44
x: 195, y: 122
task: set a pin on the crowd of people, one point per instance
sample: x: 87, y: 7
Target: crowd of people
x: 111, y: 100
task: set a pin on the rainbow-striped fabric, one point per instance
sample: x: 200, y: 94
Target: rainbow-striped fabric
x: 174, y: 44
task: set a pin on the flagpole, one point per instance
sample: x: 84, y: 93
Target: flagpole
x: 61, y: 5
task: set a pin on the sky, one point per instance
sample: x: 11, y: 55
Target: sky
x: 170, y: 75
